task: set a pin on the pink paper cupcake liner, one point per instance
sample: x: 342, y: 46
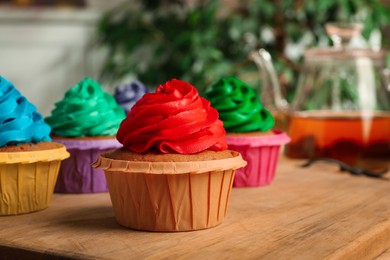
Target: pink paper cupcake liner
x: 76, y: 173
x: 262, y: 155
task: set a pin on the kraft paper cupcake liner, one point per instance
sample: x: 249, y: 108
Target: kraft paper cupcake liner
x: 76, y: 174
x: 166, y: 196
x: 169, y: 167
x: 261, y: 154
x: 27, y: 180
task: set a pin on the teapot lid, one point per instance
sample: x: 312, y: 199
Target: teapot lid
x: 341, y: 35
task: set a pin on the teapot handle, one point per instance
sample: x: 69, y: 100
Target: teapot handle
x: 271, y: 94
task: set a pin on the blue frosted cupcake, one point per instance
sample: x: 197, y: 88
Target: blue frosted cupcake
x: 29, y: 161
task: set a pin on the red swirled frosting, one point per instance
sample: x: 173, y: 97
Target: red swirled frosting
x: 174, y: 119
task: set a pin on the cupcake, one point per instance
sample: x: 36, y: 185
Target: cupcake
x: 174, y: 172
x: 85, y: 121
x: 29, y: 161
x: 249, y: 130
x: 127, y: 94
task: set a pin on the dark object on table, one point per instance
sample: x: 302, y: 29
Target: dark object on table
x: 373, y: 173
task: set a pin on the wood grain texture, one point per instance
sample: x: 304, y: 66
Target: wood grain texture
x: 311, y: 213
x: 384, y: 256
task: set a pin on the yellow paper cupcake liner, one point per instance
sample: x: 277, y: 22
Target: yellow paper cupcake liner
x: 27, y: 179
x: 58, y: 153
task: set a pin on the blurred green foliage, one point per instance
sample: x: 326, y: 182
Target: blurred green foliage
x: 156, y: 42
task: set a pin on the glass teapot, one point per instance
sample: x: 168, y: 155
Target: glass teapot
x: 341, y: 109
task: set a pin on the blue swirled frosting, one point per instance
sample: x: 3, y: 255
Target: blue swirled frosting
x: 19, y: 121
x: 127, y: 95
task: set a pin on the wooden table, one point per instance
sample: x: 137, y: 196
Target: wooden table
x: 307, y: 213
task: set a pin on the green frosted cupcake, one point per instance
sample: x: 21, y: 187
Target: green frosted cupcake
x: 249, y: 130
x: 239, y: 107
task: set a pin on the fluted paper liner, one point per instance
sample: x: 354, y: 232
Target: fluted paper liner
x: 76, y: 174
x: 168, y: 196
x: 261, y: 154
x: 27, y: 179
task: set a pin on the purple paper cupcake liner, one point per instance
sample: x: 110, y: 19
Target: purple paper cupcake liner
x: 76, y: 174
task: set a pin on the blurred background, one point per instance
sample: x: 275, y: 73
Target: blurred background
x: 48, y: 46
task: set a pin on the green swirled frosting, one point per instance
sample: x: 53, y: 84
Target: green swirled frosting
x: 239, y: 107
x: 86, y: 110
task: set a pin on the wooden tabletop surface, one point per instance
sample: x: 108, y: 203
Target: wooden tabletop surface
x: 306, y: 213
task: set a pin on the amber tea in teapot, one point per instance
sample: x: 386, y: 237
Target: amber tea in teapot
x: 341, y: 108
x: 346, y: 136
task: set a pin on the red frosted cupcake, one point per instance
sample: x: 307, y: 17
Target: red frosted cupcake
x: 249, y: 130
x: 174, y: 172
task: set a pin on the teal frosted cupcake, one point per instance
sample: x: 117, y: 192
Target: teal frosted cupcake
x: 249, y: 130
x: 85, y: 121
